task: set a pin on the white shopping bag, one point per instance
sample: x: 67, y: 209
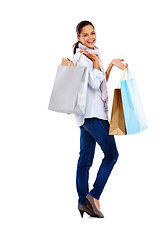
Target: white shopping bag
x: 70, y: 89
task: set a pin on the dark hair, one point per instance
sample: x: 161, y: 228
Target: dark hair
x: 78, y: 31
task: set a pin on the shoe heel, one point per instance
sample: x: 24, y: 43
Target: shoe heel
x: 81, y: 213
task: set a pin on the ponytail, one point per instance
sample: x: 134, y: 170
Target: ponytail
x: 75, y: 46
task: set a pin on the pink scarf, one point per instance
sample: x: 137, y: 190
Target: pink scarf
x: 103, y: 86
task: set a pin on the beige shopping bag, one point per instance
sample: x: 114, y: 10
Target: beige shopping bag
x: 67, y: 62
x: 117, y: 122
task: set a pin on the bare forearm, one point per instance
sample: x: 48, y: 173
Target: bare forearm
x: 118, y: 63
x: 96, y: 63
x: 108, y: 71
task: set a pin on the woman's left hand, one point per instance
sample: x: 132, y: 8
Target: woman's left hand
x: 119, y: 63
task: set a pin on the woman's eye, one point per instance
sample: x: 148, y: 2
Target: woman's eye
x: 85, y: 35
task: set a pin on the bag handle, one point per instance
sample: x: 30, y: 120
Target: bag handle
x: 123, y: 74
x: 79, y: 58
x: 76, y: 61
x: 128, y: 73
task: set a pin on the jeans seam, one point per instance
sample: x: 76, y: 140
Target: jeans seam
x: 91, y: 146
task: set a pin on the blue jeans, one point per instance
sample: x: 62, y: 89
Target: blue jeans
x: 94, y: 130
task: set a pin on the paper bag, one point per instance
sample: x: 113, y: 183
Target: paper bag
x: 70, y: 88
x: 135, y: 119
x: 117, y: 122
x: 67, y: 62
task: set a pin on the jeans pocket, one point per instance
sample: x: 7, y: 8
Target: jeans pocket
x: 105, y: 124
x: 88, y: 123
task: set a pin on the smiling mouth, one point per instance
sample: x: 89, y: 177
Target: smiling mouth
x: 90, y: 42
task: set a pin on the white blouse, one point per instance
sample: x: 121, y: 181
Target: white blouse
x: 94, y: 103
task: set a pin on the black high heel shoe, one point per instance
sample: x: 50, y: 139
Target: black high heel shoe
x: 83, y: 208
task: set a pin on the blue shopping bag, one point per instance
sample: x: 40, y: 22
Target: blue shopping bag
x: 135, y: 120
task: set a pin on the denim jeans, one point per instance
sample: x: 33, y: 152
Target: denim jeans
x: 94, y: 130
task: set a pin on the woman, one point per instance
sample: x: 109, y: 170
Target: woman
x: 94, y: 125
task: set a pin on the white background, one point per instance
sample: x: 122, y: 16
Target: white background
x: 40, y: 148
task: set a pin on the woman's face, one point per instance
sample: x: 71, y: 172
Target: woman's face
x: 88, y: 36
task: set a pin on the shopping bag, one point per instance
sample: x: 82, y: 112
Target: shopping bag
x: 117, y: 122
x: 135, y: 120
x: 70, y: 88
x: 67, y: 62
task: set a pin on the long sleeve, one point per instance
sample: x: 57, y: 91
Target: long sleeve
x: 94, y: 102
x: 95, y: 76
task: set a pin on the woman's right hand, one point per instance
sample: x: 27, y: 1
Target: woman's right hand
x: 89, y: 54
x: 92, y: 57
